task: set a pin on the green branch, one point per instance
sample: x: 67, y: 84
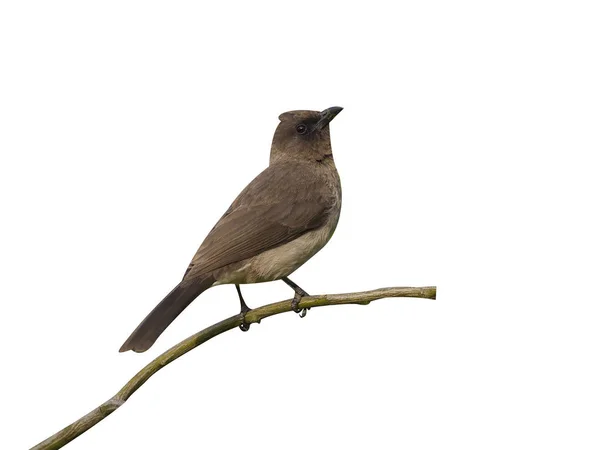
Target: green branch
x: 86, y: 422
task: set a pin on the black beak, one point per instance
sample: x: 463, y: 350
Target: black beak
x: 327, y: 116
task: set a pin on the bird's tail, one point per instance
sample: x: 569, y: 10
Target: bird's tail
x: 164, y: 313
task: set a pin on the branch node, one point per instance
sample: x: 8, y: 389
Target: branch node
x: 110, y: 405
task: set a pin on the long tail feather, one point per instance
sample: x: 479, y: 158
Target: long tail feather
x: 164, y: 313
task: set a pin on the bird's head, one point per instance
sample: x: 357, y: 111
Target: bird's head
x: 303, y: 135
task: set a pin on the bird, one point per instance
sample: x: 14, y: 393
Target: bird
x: 277, y: 223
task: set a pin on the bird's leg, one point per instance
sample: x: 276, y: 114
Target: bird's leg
x: 243, y: 309
x: 299, y: 293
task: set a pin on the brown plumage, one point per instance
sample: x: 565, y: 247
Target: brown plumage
x: 280, y: 220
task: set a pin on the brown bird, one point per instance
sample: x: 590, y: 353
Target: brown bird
x: 276, y: 224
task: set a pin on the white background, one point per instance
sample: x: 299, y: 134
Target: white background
x: 467, y: 150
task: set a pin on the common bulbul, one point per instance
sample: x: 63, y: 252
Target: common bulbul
x: 276, y: 224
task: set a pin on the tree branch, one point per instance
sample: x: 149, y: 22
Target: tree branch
x: 86, y: 422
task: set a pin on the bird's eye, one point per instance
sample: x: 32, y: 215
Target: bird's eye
x: 301, y: 129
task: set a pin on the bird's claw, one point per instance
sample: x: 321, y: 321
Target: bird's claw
x: 300, y: 311
x: 244, y: 326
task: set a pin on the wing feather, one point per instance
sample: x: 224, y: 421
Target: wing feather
x: 278, y: 206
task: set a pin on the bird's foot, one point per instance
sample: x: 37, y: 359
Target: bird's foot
x: 298, y: 294
x: 243, y: 309
x: 300, y: 311
x: 244, y: 326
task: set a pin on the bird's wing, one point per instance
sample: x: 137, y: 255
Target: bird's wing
x: 275, y: 208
